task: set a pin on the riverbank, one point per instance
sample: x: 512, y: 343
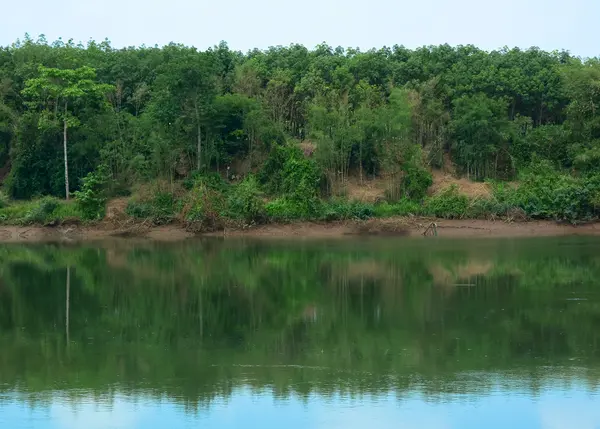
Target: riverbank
x: 391, y: 227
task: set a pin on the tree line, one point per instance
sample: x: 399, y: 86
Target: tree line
x: 142, y: 113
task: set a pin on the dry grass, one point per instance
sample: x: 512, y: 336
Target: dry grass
x: 369, y: 191
x: 307, y: 147
x: 465, y: 186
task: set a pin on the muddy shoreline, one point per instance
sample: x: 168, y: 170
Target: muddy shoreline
x: 391, y: 227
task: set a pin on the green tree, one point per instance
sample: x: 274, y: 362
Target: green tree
x: 480, y: 131
x: 58, y: 93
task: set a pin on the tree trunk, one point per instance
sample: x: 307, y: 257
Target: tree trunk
x: 361, y: 161
x: 65, y: 154
x: 199, y: 148
x: 198, y: 137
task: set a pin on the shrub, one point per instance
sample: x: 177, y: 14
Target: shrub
x: 42, y: 211
x: 485, y: 208
x: 161, y: 209
x: 416, y: 181
x: 204, y: 208
x: 211, y: 180
x: 341, y: 209
x: 449, y: 204
x: 284, y: 210
x: 403, y: 207
x: 246, y: 201
x: 271, y: 174
x: 91, y: 199
x: 3, y: 200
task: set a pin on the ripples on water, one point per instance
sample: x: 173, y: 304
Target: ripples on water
x: 369, y: 333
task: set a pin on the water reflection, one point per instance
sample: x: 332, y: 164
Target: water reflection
x: 564, y: 410
x: 333, y: 334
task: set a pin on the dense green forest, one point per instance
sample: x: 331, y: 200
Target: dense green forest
x: 276, y: 134
x: 190, y: 320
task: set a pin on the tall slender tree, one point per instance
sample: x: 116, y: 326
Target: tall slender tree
x: 58, y: 93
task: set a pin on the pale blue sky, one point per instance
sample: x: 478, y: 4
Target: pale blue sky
x: 245, y: 24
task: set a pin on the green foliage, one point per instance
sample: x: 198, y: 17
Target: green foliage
x: 246, y: 201
x: 548, y: 142
x: 3, y: 200
x: 91, y: 198
x: 177, y: 114
x: 204, y: 208
x: 416, y: 181
x: 286, y: 165
x: 301, y: 179
x: 161, y: 208
x: 403, y: 207
x: 342, y: 209
x: 480, y: 130
x: 41, y: 212
x: 211, y: 180
x: 449, y: 204
x: 284, y: 210
x: 289, y: 173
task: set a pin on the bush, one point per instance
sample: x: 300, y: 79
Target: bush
x: 486, y: 208
x: 544, y: 193
x: 3, y: 200
x: 161, y: 209
x: 284, y: 210
x: 91, y: 199
x: 211, y: 180
x: 416, y: 181
x: 271, y: 174
x: 449, y: 204
x: 41, y: 212
x: 204, y: 208
x: 246, y: 202
x: 403, y: 207
x: 340, y: 209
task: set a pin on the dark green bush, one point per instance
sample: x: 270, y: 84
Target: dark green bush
x: 341, y: 209
x: 161, y: 209
x: 3, y: 200
x: 211, y: 180
x: 416, y: 181
x: 42, y: 211
x: 271, y: 174
x: 449, y: 204
x: 246, y: 202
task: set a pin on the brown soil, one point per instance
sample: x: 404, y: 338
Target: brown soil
x: 392, y: 227
x: 415, y: 227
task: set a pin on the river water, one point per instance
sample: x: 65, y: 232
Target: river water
x: 382, y: 333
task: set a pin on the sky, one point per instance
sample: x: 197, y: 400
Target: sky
x: 247, y: 24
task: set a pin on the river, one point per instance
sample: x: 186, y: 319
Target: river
x: 346, y: 333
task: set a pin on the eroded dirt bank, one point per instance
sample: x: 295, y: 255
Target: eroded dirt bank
x: 393, y: 227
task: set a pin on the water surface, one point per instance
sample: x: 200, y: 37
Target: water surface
x: 320, y: 334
